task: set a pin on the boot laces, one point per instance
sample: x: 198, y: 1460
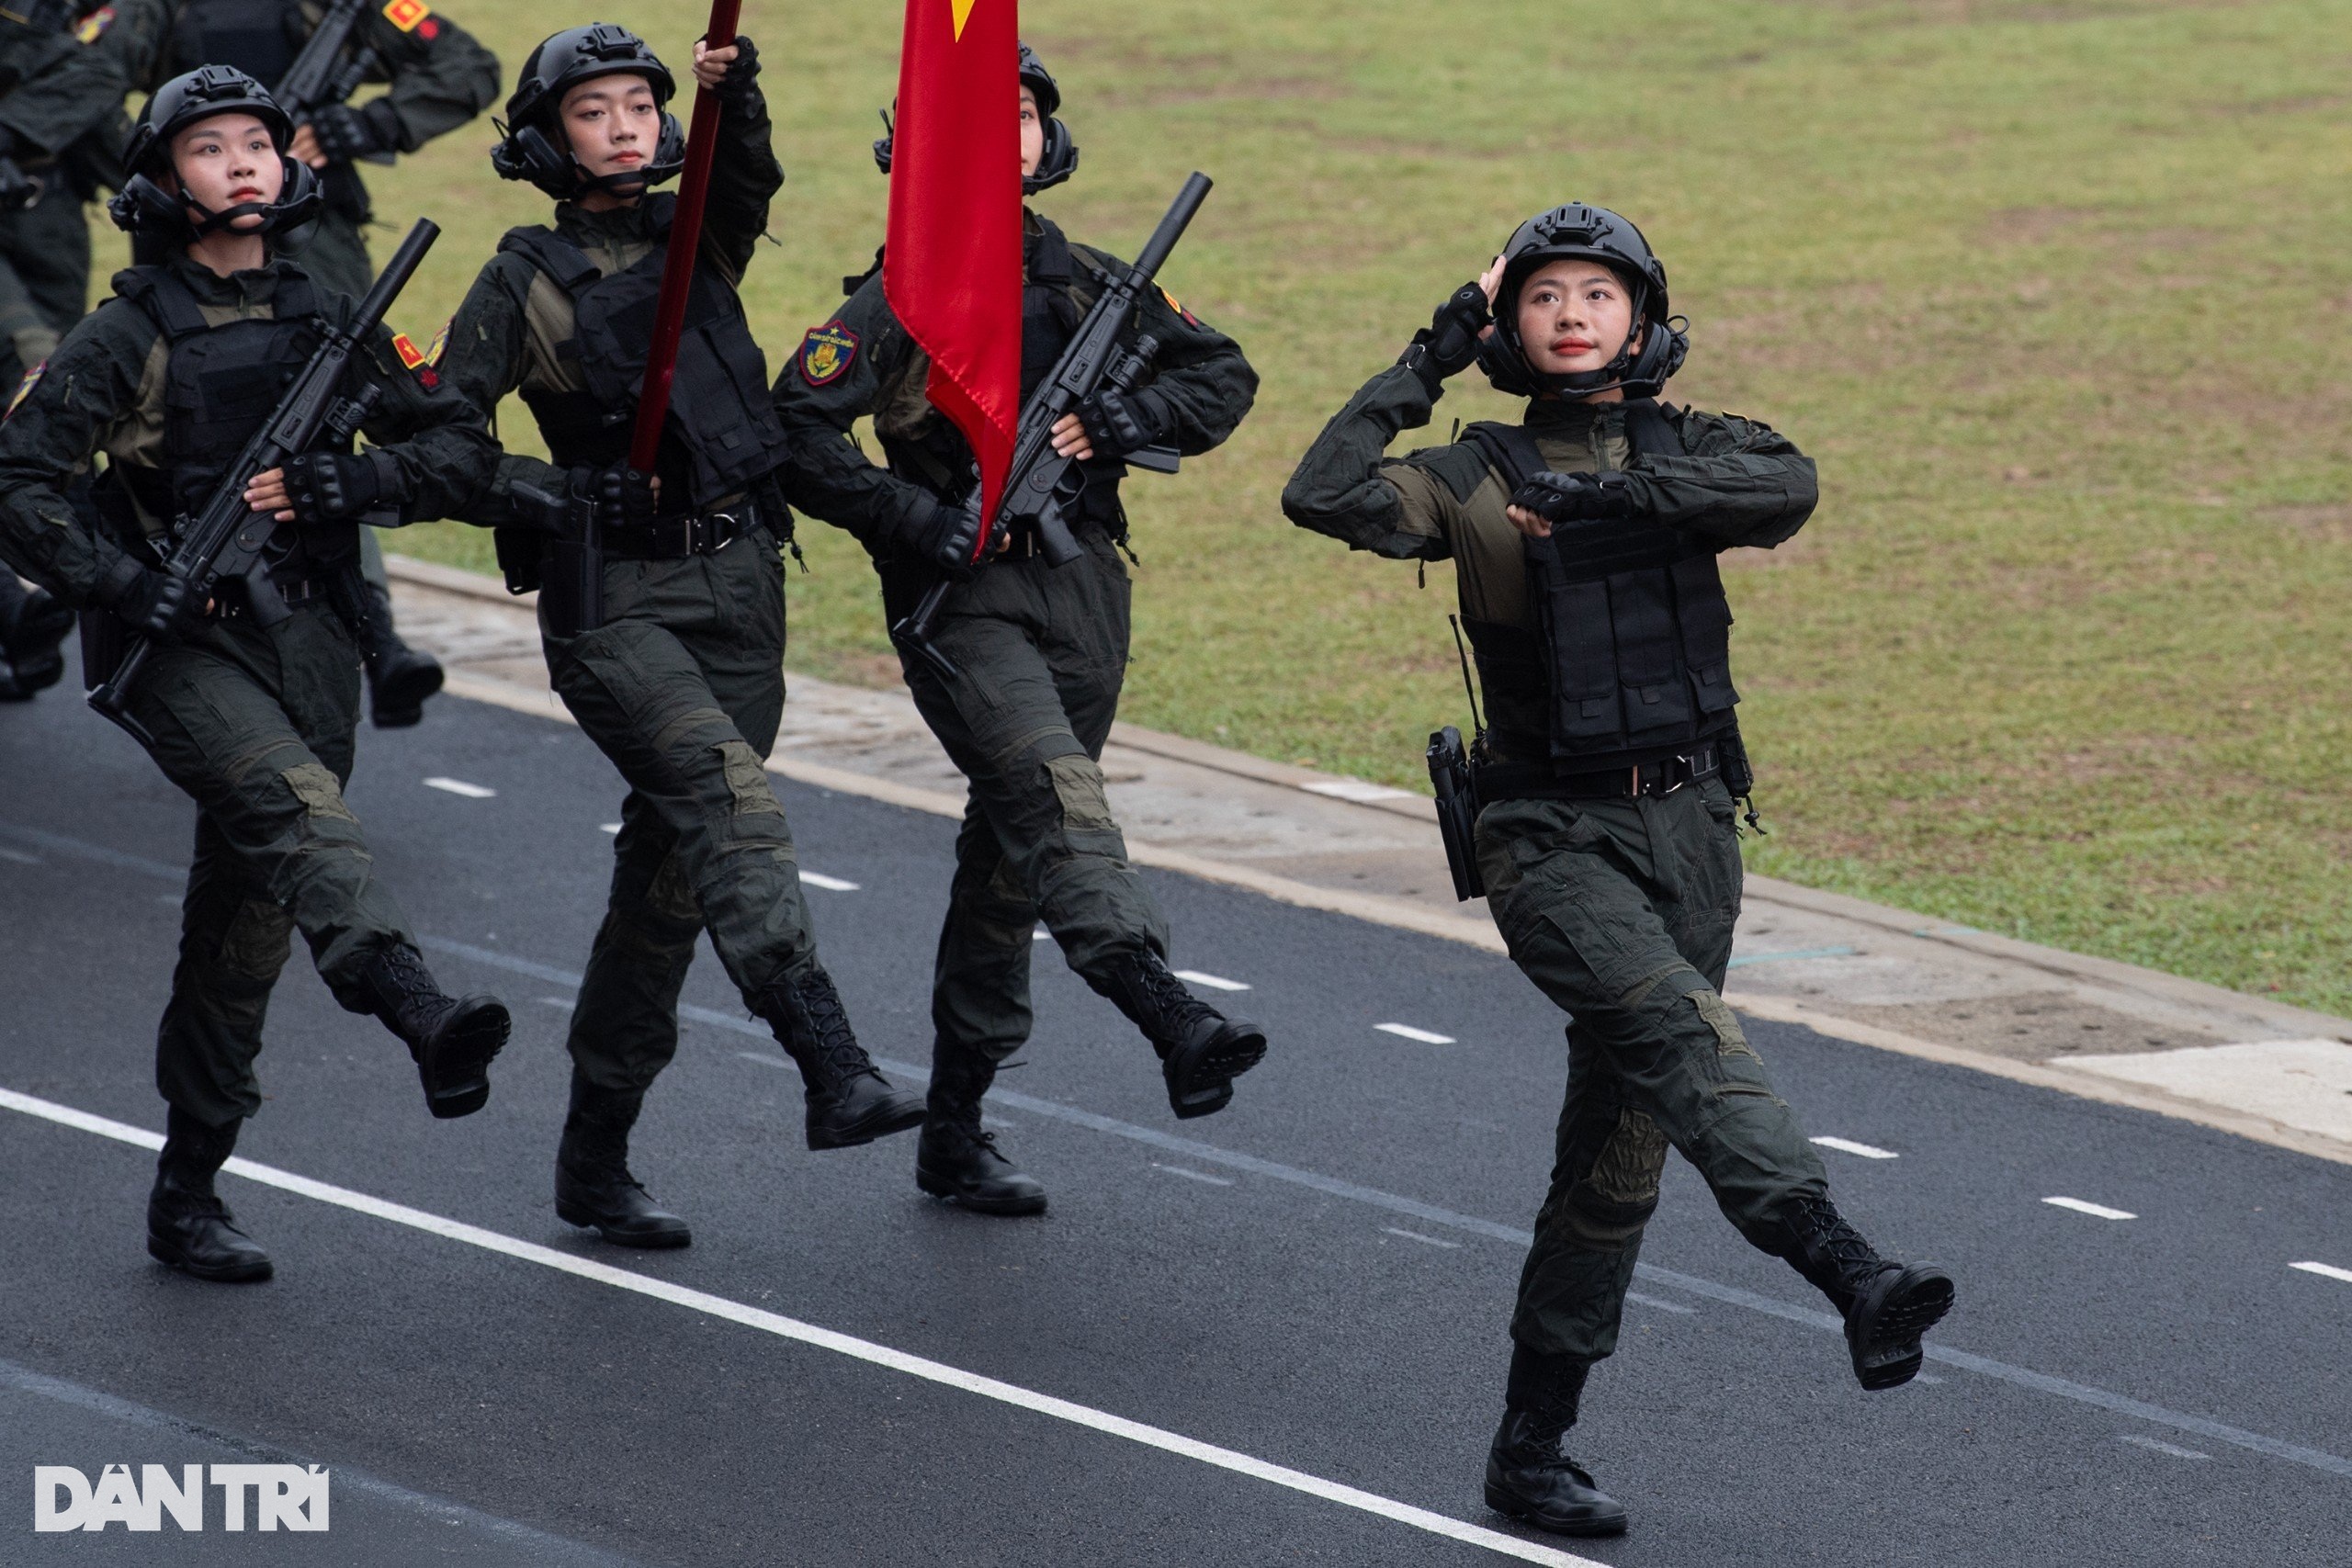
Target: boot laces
x: 834, y: 1046
x: 1837, y: 1243
x: 1166, y: 997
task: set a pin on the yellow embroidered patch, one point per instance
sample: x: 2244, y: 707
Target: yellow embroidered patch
x: 94, y: 26
x: 25, y: 387
x: 405, y: 14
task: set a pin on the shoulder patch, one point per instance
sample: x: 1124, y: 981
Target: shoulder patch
x: 827, y: 352
x: 25, y: 387
x: 93, y: 27
x: 1177, y: 305
x: 406, y: 15
x: 419, y: 361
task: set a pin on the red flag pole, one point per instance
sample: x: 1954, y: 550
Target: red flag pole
x: 678, y: 265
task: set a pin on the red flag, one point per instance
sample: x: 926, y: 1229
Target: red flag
x: 952, y: 267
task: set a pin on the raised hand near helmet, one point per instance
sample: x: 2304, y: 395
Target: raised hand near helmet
x: 729, y: 69
x: 1447, y: 346
x: 1548, y: 500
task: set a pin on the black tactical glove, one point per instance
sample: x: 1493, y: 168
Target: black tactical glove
x: 624, y: 497
x: 947, y: 538
x: 335, y: 487
x: 346, y: 135
x: 1575, y: 498
x: 1119, y: 423
x: 1447, y: 345
x: 738, y: 89
x: 152, y: 603
x: 18, y: 189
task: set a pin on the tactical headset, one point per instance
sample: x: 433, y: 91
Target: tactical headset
x: 532, y: 144
x: 1592, y: 234
x: 1059, y: 160
x: 145, y: 209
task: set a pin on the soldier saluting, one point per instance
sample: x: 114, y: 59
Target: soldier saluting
x: 1041, y: 653
x: 170, y: 379
x: 682, y: 683
x: 1584, y: 541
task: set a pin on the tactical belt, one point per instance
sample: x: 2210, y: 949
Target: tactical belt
x: 295, y: 590
x: 676, y: 539
x: 1021, y: 541
x: 1537, y: 781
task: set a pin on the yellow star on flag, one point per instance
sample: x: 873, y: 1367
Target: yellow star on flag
x: 963, y: 10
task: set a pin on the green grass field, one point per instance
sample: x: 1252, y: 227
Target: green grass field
x: 2052, y: 290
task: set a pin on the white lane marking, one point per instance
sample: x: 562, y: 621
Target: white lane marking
x: 459, y: 786
x: 1041, y: 934
x: 2175, y: 1449
x: 2325, y: 1271
x: 830, y: 884
x: 1848, y: 1145
x: 1363, y: 791
x: 1662, y: 1304
x: 2097, y: 1210
x: 1407, y: 1032
x: 19, y: 856
x: 608, y: 828
x: 828, y: 1339
x: 1928, y: 1378
x: 1214, y: 982
x: 1430, y: 1240
x: 563, y: 1003
x: 1193, y: 1175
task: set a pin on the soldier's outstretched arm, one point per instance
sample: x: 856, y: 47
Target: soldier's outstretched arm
x: 428, y: 443
x: 1741, y: 482
x: 484, y: 363
x: 441, y: 77
x: 841, y: 375
x: 59, y: 420
x: 1347, y: 488
x: 745, y: 175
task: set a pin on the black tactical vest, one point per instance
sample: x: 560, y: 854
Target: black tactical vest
x: 722, y: 437
x: 259, y: 38
x: 221, y: 384
x: 1633, y: 655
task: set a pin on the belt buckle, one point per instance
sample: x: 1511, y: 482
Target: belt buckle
x: 712, y: 530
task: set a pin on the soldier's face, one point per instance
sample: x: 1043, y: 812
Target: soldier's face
x: 226, y: 162
x: 1033, y: 134
x: 1574, y: 316
x: 613, y: 123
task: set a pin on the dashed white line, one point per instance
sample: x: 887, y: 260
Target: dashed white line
x: 2175, y: 1449
x: 1426, y: 1240
x: 845, y: 1344
x: 2096, y: 1211
x: 830, y: 884
x: 459, y: 786
x: 1214, y: 982
x: 1361, y: 791
x: 1041, y: 934
x: 1848, y: 1145
x: 19, y: 856
x: 1661, y: 1303
x: 1193, y: 1175
x: 1407, y: 1032
x: 2325, y: 1271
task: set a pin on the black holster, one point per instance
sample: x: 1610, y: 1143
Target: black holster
x: 1457, y: 811
x: 104, y: 640
x: 570, y: 570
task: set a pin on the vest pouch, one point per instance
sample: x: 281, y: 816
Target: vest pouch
x: 1706, y: 619
x: 1585, y: 687
x: 1649, y: 649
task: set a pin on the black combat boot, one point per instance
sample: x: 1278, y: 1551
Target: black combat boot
x: 1887, y: 1306
x: 1528, y: 1478
x: 452, y: 1039
x: 956, y: 1160
x: 849, y: 1102
x: 593, y: 1187
x: 189, y: 1227
x: 32, y: 626
x: 1200, y: 1050
x: 399, y: 677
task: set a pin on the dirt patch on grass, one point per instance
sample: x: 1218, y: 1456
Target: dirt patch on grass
x: 2329, y: 523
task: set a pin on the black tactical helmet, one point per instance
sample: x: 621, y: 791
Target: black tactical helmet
x: 533, y: 145
x: 144, y: 207
x: 1592, y: 234
x: 1060, y: 159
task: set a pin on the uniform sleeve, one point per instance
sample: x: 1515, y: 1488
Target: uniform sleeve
x: 1345, y: 487
x: 429, y: 432
x: 1204, y: 383
x: 828, y: 476
x: 1740, y: 482
x: 73, y: 90
x: 745, y: 177
x: 48, y: 440
x: 441, y: 78
x: 484, y: 363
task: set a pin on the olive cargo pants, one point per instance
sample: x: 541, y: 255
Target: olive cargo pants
x: 1041, y: 653
x: 1622, y: 911
x: 683, y: 688
x: 257, y: 728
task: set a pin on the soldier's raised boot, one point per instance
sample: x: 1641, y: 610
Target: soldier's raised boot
x: 452, y: 1039
x: 1200, y: 1050
x: 594, y: 1187
x: 400, y: 678
x: 1886, y: 1305
x: 850, y: 1102
x: 32, y: 626
x: 188, y: 1226
x: 1528, y: 1476
x: 956, y: 1160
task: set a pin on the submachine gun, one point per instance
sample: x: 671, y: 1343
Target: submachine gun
x: 229, y: 541
x: 1041, y: 482
x: 320, y: 76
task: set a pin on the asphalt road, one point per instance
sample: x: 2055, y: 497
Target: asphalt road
x: 1317, y: 1280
